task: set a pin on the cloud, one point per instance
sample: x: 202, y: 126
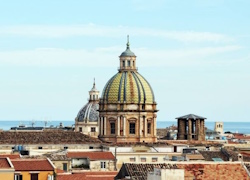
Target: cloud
x: 44, y: 31
x: 108, y: 56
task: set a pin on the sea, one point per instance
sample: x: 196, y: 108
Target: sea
x: 235, y: 127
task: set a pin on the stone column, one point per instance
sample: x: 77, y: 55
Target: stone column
x: 105, y: 125
x: 141, y: 126
x: 198, y: 129
x: 202, y: 130
x: 181, y: 129
x: 154, y: 121
x: 193, y: 126
x: 124, y: 126
x: 118, y: 126
x: 189, y: 129
x: 101, y: 124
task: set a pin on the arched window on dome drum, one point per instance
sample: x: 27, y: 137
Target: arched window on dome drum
x: 128, y: 63
x: 112, y: 128
x: 132, y: 128
x: 149, y: 127
x: 123, y: 63
x: 93, y: 97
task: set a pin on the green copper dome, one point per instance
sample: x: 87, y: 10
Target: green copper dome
x: 129, y: 87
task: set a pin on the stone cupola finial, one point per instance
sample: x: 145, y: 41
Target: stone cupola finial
x: 127, y: 41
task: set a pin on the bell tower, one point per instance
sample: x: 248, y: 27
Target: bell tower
x: 218, y: 127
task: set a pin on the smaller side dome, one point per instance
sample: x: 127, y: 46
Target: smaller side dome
x: 89, y: 112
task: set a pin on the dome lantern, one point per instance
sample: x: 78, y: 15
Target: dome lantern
x: 93, y: 93
x: 128, y: 59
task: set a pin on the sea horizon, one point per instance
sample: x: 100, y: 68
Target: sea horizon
x: 235, y: 127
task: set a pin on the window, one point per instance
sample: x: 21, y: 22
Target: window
x: 131, y: 128
x: 123, y: 63
x: 92, y: 129
x: 112, y: 128
x: 65, y: 166
x: 91, y: 147
x: 40, y: 147
x: 143, y: 159
x: 175, y: 148
x: 103, y: 165
x: 93, y: 97
x: 65, y: 147
x: 149, y: 128
x: 80, y: 129
x: 34, y: 176
x: 18, y: 177
x: 128, y: 63
x: 132, y: 159
x: 154, y: 159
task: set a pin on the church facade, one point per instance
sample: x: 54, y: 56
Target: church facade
x: 127, y: 107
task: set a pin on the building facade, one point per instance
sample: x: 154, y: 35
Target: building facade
x: 127, y: 107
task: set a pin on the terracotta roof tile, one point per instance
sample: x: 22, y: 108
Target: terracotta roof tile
x: 4, y: 163
x: 92, y: 155
x: 59, y: 171
x: 32, y: 165
x: 241, y: 136
x: 46, y: 137
x: 98, y: 175
x: 230, y: 171
x: 11, y: 156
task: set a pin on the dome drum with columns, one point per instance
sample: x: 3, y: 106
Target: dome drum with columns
x: 127, y: 107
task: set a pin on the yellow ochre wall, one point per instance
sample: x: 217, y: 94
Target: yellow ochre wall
x: 7, y: 175
x: 42, y: 175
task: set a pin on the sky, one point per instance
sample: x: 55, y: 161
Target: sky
x: 194, y: 53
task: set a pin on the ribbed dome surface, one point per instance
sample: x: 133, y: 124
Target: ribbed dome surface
x: 128, y: 86
x: 89, y: 112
